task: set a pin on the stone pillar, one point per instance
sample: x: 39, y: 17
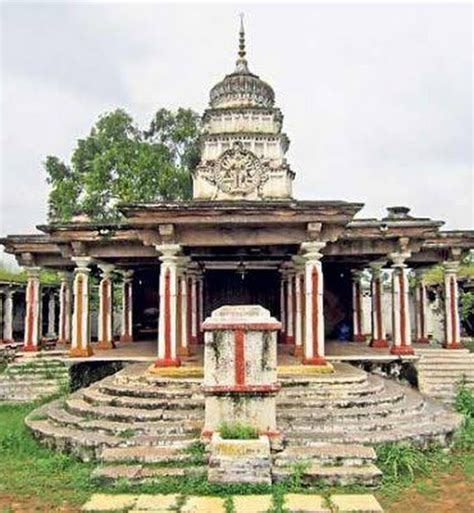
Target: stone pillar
x: 451, y: 322
x: 51, y: 316
x: 299, y: 306
x: 421, y: 324
x: 314, y: 314
x: 81, y: 335
x: 127, y: 307
x: 357, y: 311
x: 379, y: 337
x: 65, y: 309
x: 200, y: 305
x: 283, y: 306
x: 32, y: 315
x: 290, y: 307
x: 167, y: 347
x: 2, y: 331
x: 183, y: 315
x: 106, y: 309
x: 8, y: 316
x: 401, y: 343
x: 193, y: 291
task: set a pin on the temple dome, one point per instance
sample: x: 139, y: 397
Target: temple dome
x: 241, y: 88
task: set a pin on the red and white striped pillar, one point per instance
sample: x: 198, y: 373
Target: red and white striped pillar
x: 314, y: 308
x: 167, y: 339
x: 299, y: 311
x: 32, y: 315
x: 401, y: 328
x: 282, y: 306
x: 290, y: 307
x: 127, y: 307
x: 451, y: 297
x: 183, y: 314
x: 81, y: 333
x: 357, y: 309
x: 421, y: 324
x: 193, y: 304
x: 65, y: 309
x: 379, y: 336
x: 105, y: 319
x: 200, y: 306
x: 8, y: 316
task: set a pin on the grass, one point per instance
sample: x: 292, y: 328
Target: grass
x: 237, y: 431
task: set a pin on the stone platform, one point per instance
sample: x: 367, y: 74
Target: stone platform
x: 143, y: 426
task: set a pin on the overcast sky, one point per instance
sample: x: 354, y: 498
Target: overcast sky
x: 377, y: 99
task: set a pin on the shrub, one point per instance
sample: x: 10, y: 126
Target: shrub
x: 464, y: 402
x: 402, y: 461
x: 237, y: 431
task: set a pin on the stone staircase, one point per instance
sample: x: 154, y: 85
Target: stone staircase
x: 441, y: 371
x: 330, y: 423
x: 30, y: 378
x: 141, y: 426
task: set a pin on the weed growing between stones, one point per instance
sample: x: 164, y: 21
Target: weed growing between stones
x: 127, y: 433
x: 237, y: 431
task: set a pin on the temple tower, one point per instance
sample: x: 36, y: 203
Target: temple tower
x: 243, y: 146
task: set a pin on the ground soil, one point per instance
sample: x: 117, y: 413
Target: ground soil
x: 11, y: 503
x: 451, y: 493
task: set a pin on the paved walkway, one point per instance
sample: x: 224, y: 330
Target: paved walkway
x: 293, y: 503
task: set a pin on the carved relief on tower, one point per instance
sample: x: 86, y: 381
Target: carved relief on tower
x: 236, y: 174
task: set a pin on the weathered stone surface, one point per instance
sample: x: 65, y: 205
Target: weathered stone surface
x: 156, y: 502
x: 203, y: 505
x: 252, y: 503
x: 145, y: 454
x: 240, y: 461
x: 299, y: 503
x: 355, y: 503
x: 107, y: 502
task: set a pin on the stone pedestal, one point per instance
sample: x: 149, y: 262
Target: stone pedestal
x: 240, y: 461
x: 240, y: 368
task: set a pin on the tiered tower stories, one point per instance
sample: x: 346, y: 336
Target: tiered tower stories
x: 243, y: 147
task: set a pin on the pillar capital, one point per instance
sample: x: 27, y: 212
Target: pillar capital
x: 106, y: 270
x: 398, y: 258
x: 377, y: 267
x: 82, y: 263
x: 32, y: 272
x: 168, y: 251
x: 451, y: 266
x: 357, y: 275
x: 312, y: 250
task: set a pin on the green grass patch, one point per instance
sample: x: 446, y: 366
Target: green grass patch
x: 237, y: 431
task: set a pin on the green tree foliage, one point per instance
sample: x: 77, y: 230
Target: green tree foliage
x: 119, y: 163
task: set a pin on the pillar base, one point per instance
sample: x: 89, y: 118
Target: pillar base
x: 30, y: 349
x: 184, y: 351
x: 105, y: 344
x: 402, y: 350
x: 167, y: 362
x: 359, y: 338
x: 7, y: 341
x: 379, y: 343
x: 422, y: 340
x: 318, y: 360
x: 80, y: 352
x: 454, y: 345
x: 126, y: 338
x: 298, y: 351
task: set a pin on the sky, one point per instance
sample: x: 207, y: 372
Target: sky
x: 377, y: 98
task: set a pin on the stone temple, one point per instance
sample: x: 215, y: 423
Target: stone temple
x: 245, y: 240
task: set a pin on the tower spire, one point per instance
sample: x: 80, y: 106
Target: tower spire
x: 241, y: 64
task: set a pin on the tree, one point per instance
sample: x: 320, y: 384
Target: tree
x: 119, y: 163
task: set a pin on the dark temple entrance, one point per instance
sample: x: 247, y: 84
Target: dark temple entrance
x: 255, y: 287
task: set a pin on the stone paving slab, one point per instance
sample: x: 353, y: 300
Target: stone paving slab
x: 203, y: 505
x: 355, y: 504
x: 156, y: 502
x: 108, y: 502
x: 300, y: 503
x: 252, y: 503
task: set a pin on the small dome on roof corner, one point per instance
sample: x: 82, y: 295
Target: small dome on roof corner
x: 398, y: 212
x: 241, y: 88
